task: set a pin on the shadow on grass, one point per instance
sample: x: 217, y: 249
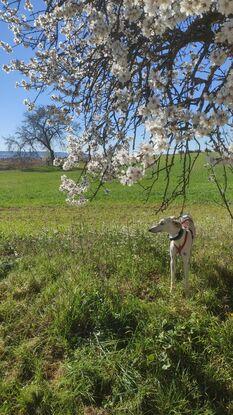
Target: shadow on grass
x: 214, y: 391
x: 217, y: 283
x: 45, y: 169
x: 221, y: 280
x: 6, y: 268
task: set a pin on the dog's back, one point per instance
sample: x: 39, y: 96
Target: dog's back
x: 187, y: 223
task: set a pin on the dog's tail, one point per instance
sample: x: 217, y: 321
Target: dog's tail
x: 187, y: 223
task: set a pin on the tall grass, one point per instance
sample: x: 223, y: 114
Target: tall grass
x: 89, y: 327
x: 87, y: 323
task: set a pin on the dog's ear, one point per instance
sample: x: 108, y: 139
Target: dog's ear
x: 176, y: 223
x: 175, y: 218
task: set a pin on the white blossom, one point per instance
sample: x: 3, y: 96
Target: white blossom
x: 132, y: 175
x: 225, y: 34
x: 74, y: 190
x: 58, y: 162
x: 28, y: 5
x: 5, y: 46
x: 225, y: 7
x: 218, y: 56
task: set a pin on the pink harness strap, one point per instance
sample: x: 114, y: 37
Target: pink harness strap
x: 185, y: 223
x: 179, y: 248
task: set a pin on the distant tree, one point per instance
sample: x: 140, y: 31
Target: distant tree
x: 40, y: 130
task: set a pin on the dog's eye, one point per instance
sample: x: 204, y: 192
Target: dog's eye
x: 162, y: 222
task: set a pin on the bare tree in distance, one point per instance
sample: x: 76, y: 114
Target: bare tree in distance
x: 159, y: 70
x: 41, y: 129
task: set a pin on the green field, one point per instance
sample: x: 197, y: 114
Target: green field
x: 40, y: 188
x: 87, y: 323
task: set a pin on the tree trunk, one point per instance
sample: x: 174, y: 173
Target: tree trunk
x: 52, y: 155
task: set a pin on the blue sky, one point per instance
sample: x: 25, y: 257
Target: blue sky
x: 11, y: 98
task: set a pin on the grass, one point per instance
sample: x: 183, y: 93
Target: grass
x: 40, y: 187
x: 88, y: 326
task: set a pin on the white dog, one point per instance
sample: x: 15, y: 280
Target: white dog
x: 181, y: 234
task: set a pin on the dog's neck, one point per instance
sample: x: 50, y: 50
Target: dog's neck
x: 175, y: 236
x: 175, y: 231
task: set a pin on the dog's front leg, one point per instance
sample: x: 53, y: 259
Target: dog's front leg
x: 173, y: 267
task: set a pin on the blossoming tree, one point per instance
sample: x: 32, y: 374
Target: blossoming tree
x: 146, y: 79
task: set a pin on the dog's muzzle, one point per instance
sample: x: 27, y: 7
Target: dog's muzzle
x: 153, y: 229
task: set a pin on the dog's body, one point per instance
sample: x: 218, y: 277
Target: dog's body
x: 181, y: 234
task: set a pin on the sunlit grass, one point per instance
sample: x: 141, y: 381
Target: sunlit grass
x: 41, y: 188
x: 87, y: 323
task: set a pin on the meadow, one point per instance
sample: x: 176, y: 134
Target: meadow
x: 87, y: 323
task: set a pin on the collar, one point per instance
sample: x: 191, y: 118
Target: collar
x: 178, y: 236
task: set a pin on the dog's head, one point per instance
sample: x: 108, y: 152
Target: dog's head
x: 169, y: 225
